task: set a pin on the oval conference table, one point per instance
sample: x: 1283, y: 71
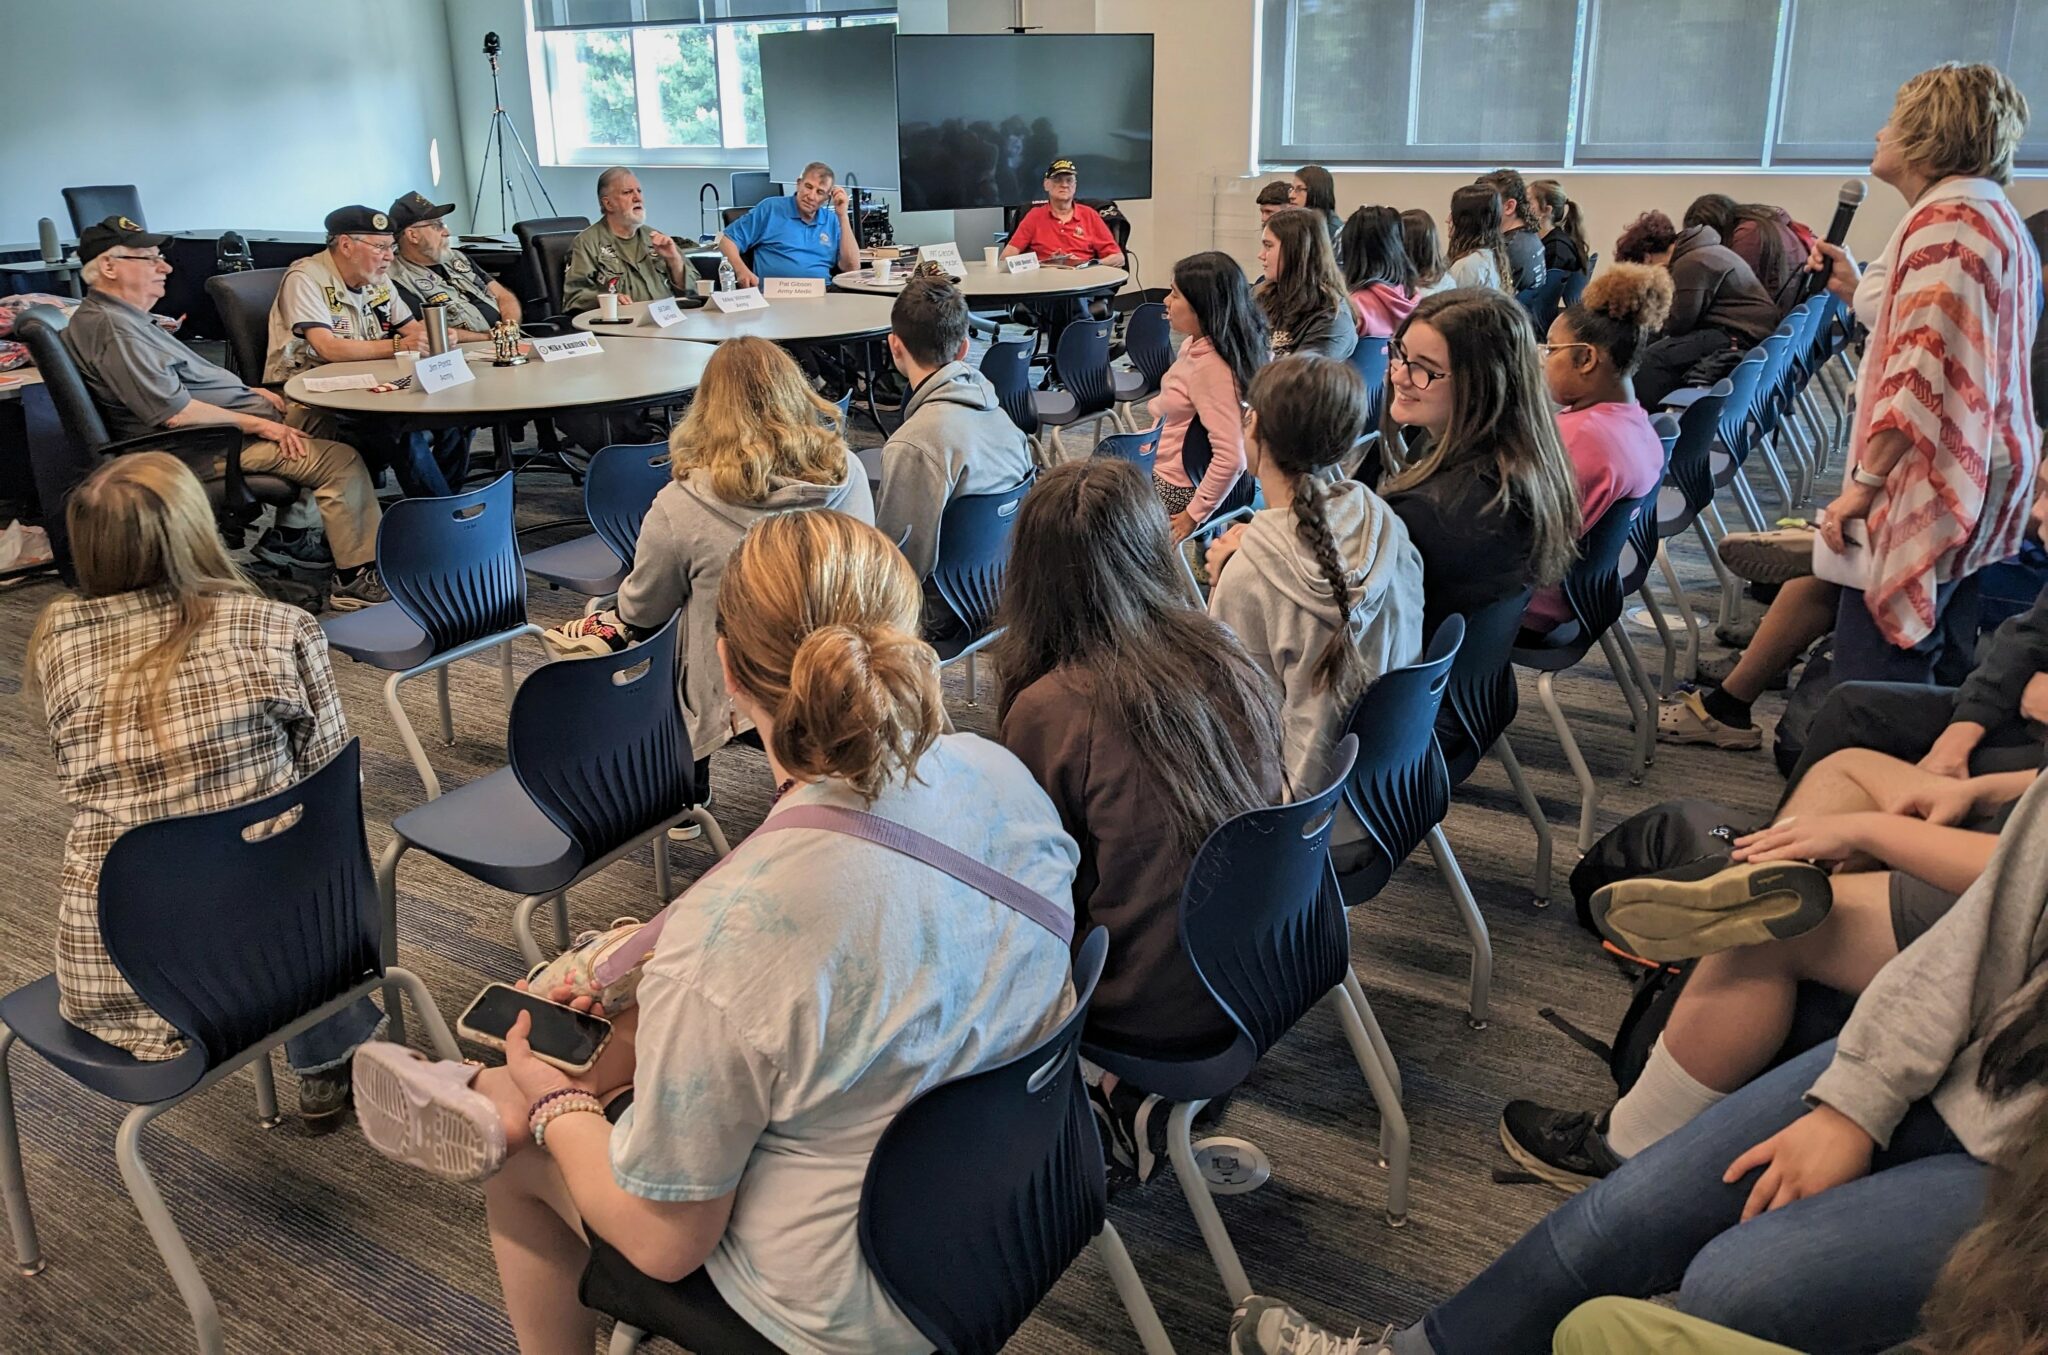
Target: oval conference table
x: 831, y: 318
x: 985, y: 286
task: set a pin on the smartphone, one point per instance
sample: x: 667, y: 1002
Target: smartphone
x: 568, y: 1039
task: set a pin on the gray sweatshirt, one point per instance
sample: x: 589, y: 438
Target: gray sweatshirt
x: 680, y: 559
x: 955, y: 439
x: 1273, y: 594
x: 1921, y: 1027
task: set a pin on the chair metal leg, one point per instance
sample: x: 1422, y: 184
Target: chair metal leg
x: 163, y: 1229
x: 1181, y: 1148
x: 447, y: 710
x: 1393, y: 1120
x: 1475, y: 925
x: 410, y: 738
x: 561, y: 921
x: 21, y: 1221
x: 505, y: 674
x: 1641, y: 707
x: 1745, y: 499
x: 1646, y: 731
x: 1109, y: 1245
x: 1056, y: 451
x: 522, y: 928
x: 387, y: 891
x: 973, y: 681
x: 1589, y: 789
x: 625, y: 1339
x: 1775, y: 467
x: 1664, y: 640
x: 266, y: 1093
x: 663, y: 885
x: 1691, y: 667
x: 712, y: 832
x: 1378, y: 1037
x: 438, y: 1034
x: 1504, y: 751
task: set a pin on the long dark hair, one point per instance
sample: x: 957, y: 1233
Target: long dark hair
x: 1475, y: 225
x: 1374, y: 251
x: 1321, y: 188
x: 1425, y: 252
x: 1215, y: 289
x: 1500, y: 413
x: 1309, y: 411
x: 1093, y: 586
x: 1724, y: 214
x: 1565, y: 215
x: 1309, y: 286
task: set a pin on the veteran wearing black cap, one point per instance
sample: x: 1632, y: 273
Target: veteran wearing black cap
x: 1061, y: 230
x: 430, y: 268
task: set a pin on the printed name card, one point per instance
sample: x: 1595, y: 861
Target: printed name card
x: 946, y: 256
x: 784, y: 289
x: 554, y: 348
x: 1022, y: 263
x: 742, y: 299
x: 362, y: 381
x: 442, y: 371
x: 664, y: 312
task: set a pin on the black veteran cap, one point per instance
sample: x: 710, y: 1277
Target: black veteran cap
x: 96, y: 240
x: 357, y: 220
x: 413, y: 208
x: 1059, y: 167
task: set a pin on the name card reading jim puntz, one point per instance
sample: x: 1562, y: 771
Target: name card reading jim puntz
x: 664, y: 312
x: 741, y: 299
x: 785, y: 289
x: 442, y: 371
x: 556, y: 347
x: 1022, y: 263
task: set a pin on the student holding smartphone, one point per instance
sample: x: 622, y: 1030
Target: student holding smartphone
x: 714, y: 1152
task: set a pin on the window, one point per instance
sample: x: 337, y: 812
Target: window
x: 1561, y: 83
x: 666, y: 81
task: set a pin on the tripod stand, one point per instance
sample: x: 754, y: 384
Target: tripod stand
x: 494, y: 139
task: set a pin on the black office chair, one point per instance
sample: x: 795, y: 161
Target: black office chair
x: 533, y: 285
x: 752, y: 186
x: 549, y: 256
x: 93, y: 203
x: 234, y: 496
x: 244, y: 301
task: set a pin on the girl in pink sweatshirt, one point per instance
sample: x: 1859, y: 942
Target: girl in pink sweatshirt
x: 1201, y: 401
x: 1377, y: 271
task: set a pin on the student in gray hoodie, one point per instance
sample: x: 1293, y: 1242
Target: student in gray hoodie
x: 955, y: 437
x: 757, y: 440
x: 1323, y: 587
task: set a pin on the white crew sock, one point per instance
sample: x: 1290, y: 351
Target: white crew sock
x: 1665, y: 1098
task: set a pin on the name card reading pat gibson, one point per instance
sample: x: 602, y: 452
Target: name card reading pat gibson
x: 665, y: 312
x: 554, y: 348
x: 789, y: 289
x: 442, y: 371
x: 1022, y: 263
x: 946, y: 256
x: 740, y: 299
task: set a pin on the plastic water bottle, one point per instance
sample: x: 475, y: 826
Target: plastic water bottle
x: 727, y: 279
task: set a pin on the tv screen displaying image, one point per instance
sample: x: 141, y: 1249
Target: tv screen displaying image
x: 980, y: 116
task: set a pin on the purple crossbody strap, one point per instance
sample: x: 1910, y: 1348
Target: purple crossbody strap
x: 882, y: 832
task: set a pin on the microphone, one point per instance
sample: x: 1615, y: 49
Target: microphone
x: 1846, y: 203
x: 46, y: 240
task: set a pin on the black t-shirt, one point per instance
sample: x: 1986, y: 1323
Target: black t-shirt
x: 1474, y: 551
x: 1561, y: 253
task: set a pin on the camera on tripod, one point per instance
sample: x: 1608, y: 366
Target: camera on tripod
x: 491, y: 44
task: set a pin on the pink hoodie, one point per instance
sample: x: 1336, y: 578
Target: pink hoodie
x: 1381, y: 309
x: 1200, y: 385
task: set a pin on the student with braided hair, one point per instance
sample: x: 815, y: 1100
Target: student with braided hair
x: 1323, y: 587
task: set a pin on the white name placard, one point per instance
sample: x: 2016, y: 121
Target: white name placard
x: 1022, y: 263
x: 442, y: 371
x: 946, y: 256
x: 785, y: 289
x: 665, y: 312
x: 361, y: 381
x: 554, y: 348
x: 741, y: 299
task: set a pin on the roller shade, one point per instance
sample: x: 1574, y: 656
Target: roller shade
x: 572, y: 14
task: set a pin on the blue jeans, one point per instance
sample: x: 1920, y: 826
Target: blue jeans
x: 1843, y: 1271
x: 328, y: 1045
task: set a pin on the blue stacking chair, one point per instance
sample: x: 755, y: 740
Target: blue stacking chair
x: 1263, y: 924
x: 1082, y: 357
x: 1687, y: 491
x: 1479, y: 705
x: 1400, y: 791
x: 972, y: 557
x: 1140, y: 449
x: 619, y: 487
x: 1007, y: 365
x: 1735, y: 438
x: 1544, y: 299
x: 1370, y: 360
x: 241, y: 939
x: 600, y: 765
x: 1639, y: 550
x: 457, y: 590
x: 1592, y: 591
x: 1148, y: 342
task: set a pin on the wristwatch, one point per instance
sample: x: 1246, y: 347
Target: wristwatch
x: 1868, y: 479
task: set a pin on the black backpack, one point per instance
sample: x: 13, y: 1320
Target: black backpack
x: 1673, y: 833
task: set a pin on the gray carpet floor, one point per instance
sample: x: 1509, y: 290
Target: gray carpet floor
x: 318, y: 1244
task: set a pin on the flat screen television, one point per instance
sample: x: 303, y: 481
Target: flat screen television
x: 831, y: 96
x: 979, y: 116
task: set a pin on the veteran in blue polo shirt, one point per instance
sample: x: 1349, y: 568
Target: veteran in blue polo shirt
x: 804, y: 235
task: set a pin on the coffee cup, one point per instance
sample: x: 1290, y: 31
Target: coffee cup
x: 883, y: 268
x: 988, y: 257
x: 608, y: 305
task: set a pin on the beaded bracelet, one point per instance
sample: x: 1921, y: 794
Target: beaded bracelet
x: 578, y: 1103
x: 554, y: 1095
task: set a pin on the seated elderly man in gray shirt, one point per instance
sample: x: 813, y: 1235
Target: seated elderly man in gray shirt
x: 145, y: 381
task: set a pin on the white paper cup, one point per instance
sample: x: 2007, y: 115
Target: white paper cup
x: 704, y: 286
x: 608, y: 305
x: 406, y: 357
x: 988, y: 257
x: 882, y: 269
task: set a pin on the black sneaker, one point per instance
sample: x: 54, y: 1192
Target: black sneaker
x: 1133, y: 1128
x: 324, y: 1098
x: 1566, y: 1148
x: 295, y: 548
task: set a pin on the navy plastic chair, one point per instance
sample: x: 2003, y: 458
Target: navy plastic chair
x: 1544, y: 300
x: 243, y: 928
x: 972, y: 557
x: 1735, y: 437
x: 1479, y: 706
x: 1148, y: 342
x: 1082, y: 357
x: 1687, y: 491
x: 1639, y: 551
x: 1007, y: 365
x: 457, y: 590
x: 1370, y: 359
x: 1592, y: 592
x: 1140, y: 449
x: 618, y: 488
x: 599, y: 766
x: 1575, y: 283
x: 1263, y: 924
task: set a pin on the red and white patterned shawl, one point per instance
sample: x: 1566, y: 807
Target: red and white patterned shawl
x: 1959, y: 298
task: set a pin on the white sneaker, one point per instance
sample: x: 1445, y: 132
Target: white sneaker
x: 425, y: 1113
x: 1262, y: 1326
x: 1686, y: 721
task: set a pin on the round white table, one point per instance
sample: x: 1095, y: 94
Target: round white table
x: 622, y: 374
x: 985, y: 286
x: 832, y: 318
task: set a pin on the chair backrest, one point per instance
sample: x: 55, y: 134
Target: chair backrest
x: 453, y: 565
x: 232, y: 924
x: 42, y: 328
x: 1370, y: 358
x: 1007, y: 365
x: 974, y: 552
x: 1148, y: 338
x: 549, y: 256
x: 1639, y: 550
x: 1481, y: 699
x: 532, y: 284
x: 1689, y: 462
x: 1772, y: 389
x: 619, y: 487
x: 93, y: 203
x: 1738, y: 410
x: 599, y: 744
x: 1260, y: 917
x: 1083, y: 358
x: 1398, y: 787
x: 1541, y: 300
x: 1592, y: 586
x: 750, y: 186
x: 1140, y: 449
x: 244, y: 301
x: 1575, y: 283
x: 982, y: 1190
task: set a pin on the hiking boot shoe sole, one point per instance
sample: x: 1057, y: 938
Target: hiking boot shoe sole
x: 1667, y: 920
x: 1768, y: 557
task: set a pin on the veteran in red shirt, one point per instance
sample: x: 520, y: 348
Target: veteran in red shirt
x: 1061, y: 230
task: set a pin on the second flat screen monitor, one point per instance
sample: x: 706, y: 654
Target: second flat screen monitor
x: 980, y: 116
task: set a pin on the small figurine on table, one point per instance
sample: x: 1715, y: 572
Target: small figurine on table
x: 505, y: 345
